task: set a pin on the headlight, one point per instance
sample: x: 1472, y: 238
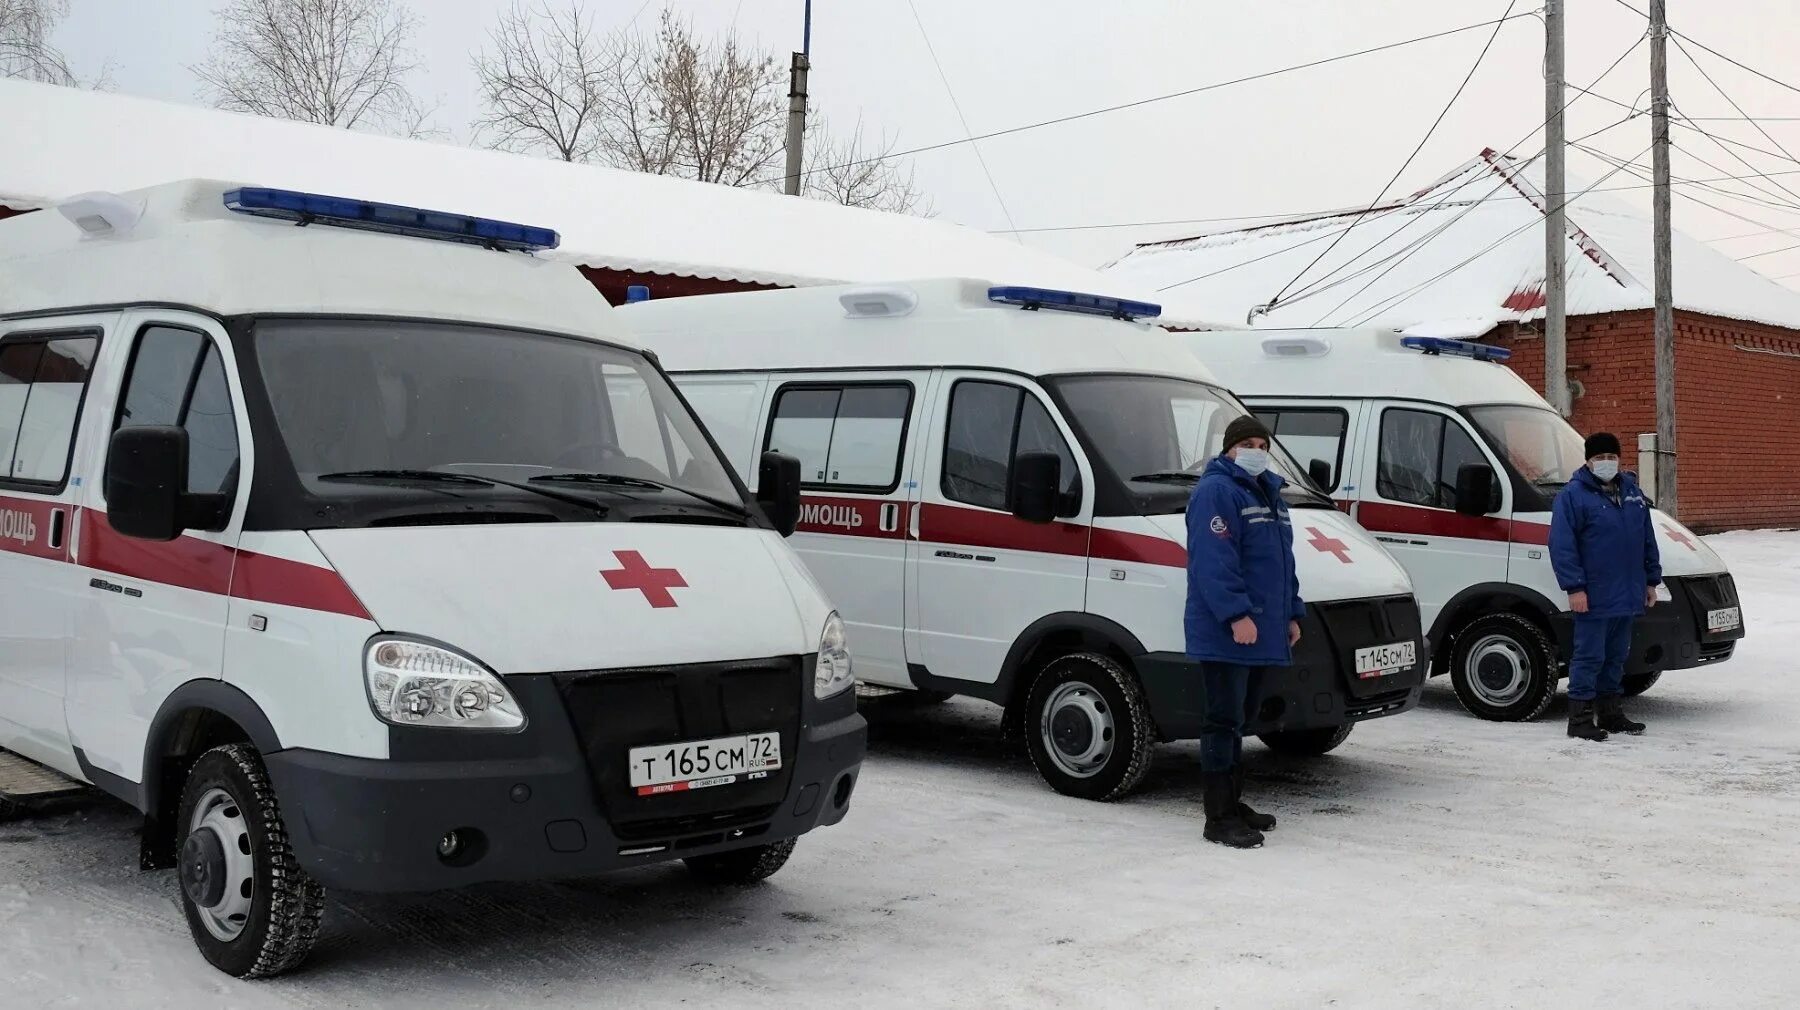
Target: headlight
x: 832, y: 674
x: 418, y: 684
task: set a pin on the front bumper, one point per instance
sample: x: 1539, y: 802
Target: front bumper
x: 1319, y: 689
x: 1672, y: 635
x: 525, y: 806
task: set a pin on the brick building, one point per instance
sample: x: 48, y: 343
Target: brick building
x: 621, y: 228
x: 1464, y: 258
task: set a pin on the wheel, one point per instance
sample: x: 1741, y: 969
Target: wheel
x: 1307, y: 742
x: 1087, y: 727
x: 252, y: 910
x: 1503, y: 668
x: 742, y: 866
x: 1633, y: 685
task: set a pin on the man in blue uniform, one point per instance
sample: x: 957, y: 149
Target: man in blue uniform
x: 1603, y: 547
x: 1243, y: 612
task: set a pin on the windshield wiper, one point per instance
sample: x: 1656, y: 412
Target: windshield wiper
x: 466, y: 480
x: 620, y: 480
x: 1167, y: 477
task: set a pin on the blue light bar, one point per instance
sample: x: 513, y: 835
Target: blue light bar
x: 1460, y: 348
x: 1074, y: 301
x: 312, y: 208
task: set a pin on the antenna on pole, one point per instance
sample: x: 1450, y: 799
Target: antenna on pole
x: 796, y: 130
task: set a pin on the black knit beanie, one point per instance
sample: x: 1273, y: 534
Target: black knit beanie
x: 1601, y: 443
x: 1245, y: 427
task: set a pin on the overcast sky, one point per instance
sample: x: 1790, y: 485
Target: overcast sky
x: 1325, y: 137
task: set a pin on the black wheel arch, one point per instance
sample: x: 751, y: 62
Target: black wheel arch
x: 195, y: 717
x: 1487, y: 598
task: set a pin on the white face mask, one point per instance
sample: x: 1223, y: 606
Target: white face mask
x: 1254, y: 461
x: 1605, y: 469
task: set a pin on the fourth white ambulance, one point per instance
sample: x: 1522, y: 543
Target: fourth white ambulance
x: 1453, y: 462
x: 995, y: 484
x: 384, y: 562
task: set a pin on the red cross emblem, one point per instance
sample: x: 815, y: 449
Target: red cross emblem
x: 1328, y: 545
x: 1681, y: 538
x: 637, y: 574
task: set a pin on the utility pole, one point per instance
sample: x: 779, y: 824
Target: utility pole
x: 1556, y: 230
x: 796, y: 130
x: 1665, y: 266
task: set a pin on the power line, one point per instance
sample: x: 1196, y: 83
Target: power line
x: 1770, y: 252
x: 1690, y: 197
x: 1740, y: 109
x: 948, y: 90
x: 1403, y: 297
x: 1429, y: 132
x: 1773, y: 201
x: 1265, y: 75
x: 1688, y: 124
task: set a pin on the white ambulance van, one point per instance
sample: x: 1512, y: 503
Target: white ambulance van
x: 1454, y: 462
x: 995, y: 485
x: 384, y: 562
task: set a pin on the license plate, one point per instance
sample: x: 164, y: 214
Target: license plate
x: 1381, y: 660
x: 1727, y: 619
x: 702, y: 764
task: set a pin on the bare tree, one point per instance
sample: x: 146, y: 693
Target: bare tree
x: 25, y: 49
x: 843, y: 169
x: 541, y: 83
x: 337, y: 62
x: 724, y: 105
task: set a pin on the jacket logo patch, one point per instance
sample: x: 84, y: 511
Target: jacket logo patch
x: 1218, y: 526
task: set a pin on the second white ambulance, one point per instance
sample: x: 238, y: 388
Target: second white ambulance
x: 995, y: 484
x: 1453, y: 462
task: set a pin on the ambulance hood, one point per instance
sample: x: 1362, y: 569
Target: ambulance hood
x: 545, y: 598
x: 1335, y: 558
x: 1683, y: 552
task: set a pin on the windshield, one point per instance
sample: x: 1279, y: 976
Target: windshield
x: 1539, y: 444
x: 541, y: 419
x: 1156, y: 434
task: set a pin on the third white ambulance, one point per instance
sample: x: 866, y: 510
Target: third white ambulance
x: 995, y: 484
x: 1453, y: 462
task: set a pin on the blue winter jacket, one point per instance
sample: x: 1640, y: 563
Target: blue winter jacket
x: 1240, y: 562
x: 1605, y: 549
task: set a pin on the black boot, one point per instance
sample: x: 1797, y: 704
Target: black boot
x: 1223, y: 825
x: 1581, y: 721
x: 1260, y: 822
x: 1611, y: 716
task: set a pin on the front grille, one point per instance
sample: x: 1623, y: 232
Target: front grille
x: 1377, y: 704
x: 613, y: 711
x: 1716, y: 651
x: 1356, y: 624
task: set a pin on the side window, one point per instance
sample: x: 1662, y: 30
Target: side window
x: 1310, y: 433
x: 846, y: 437
x: 1407, y: 461
x: 42, y: 384
x: 728, y: 408
x: 178, y: 378
x: 1459, y: 450
x: 989, y: 424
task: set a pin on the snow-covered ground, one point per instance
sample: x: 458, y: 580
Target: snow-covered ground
x: 1434, y: 860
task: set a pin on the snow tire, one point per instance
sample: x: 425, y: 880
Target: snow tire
x: 1511, y: 641
x: 287, y: 905
x: 741, y: 867
x: 1637, y: 683
x: 1116, y: 699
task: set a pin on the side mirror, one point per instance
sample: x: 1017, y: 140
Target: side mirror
x: 145, y: 471
x: 778, y: 490
x: 1475, y: 491
x: 1033, y: 495
x: 1320, y: 472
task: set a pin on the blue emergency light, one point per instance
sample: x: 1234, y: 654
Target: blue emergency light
x: 1460, y: 348
x: 1074, y: 301
x: 393, y: 219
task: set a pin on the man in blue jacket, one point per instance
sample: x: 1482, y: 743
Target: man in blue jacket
x: 1603, y: 547
x: 1243, y: 612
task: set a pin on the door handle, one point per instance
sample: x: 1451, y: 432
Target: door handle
x: 912, y: 525
x: 59, y: 521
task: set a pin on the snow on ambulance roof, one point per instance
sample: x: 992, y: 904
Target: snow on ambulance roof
x: 613, y: 219
x: 180, y: 244
x: 1468, y: 248
x: 944, y: 322
x: 1355, y: 363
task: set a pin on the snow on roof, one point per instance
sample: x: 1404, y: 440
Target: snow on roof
x: 1468, y: 247
x: 79, y: 141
